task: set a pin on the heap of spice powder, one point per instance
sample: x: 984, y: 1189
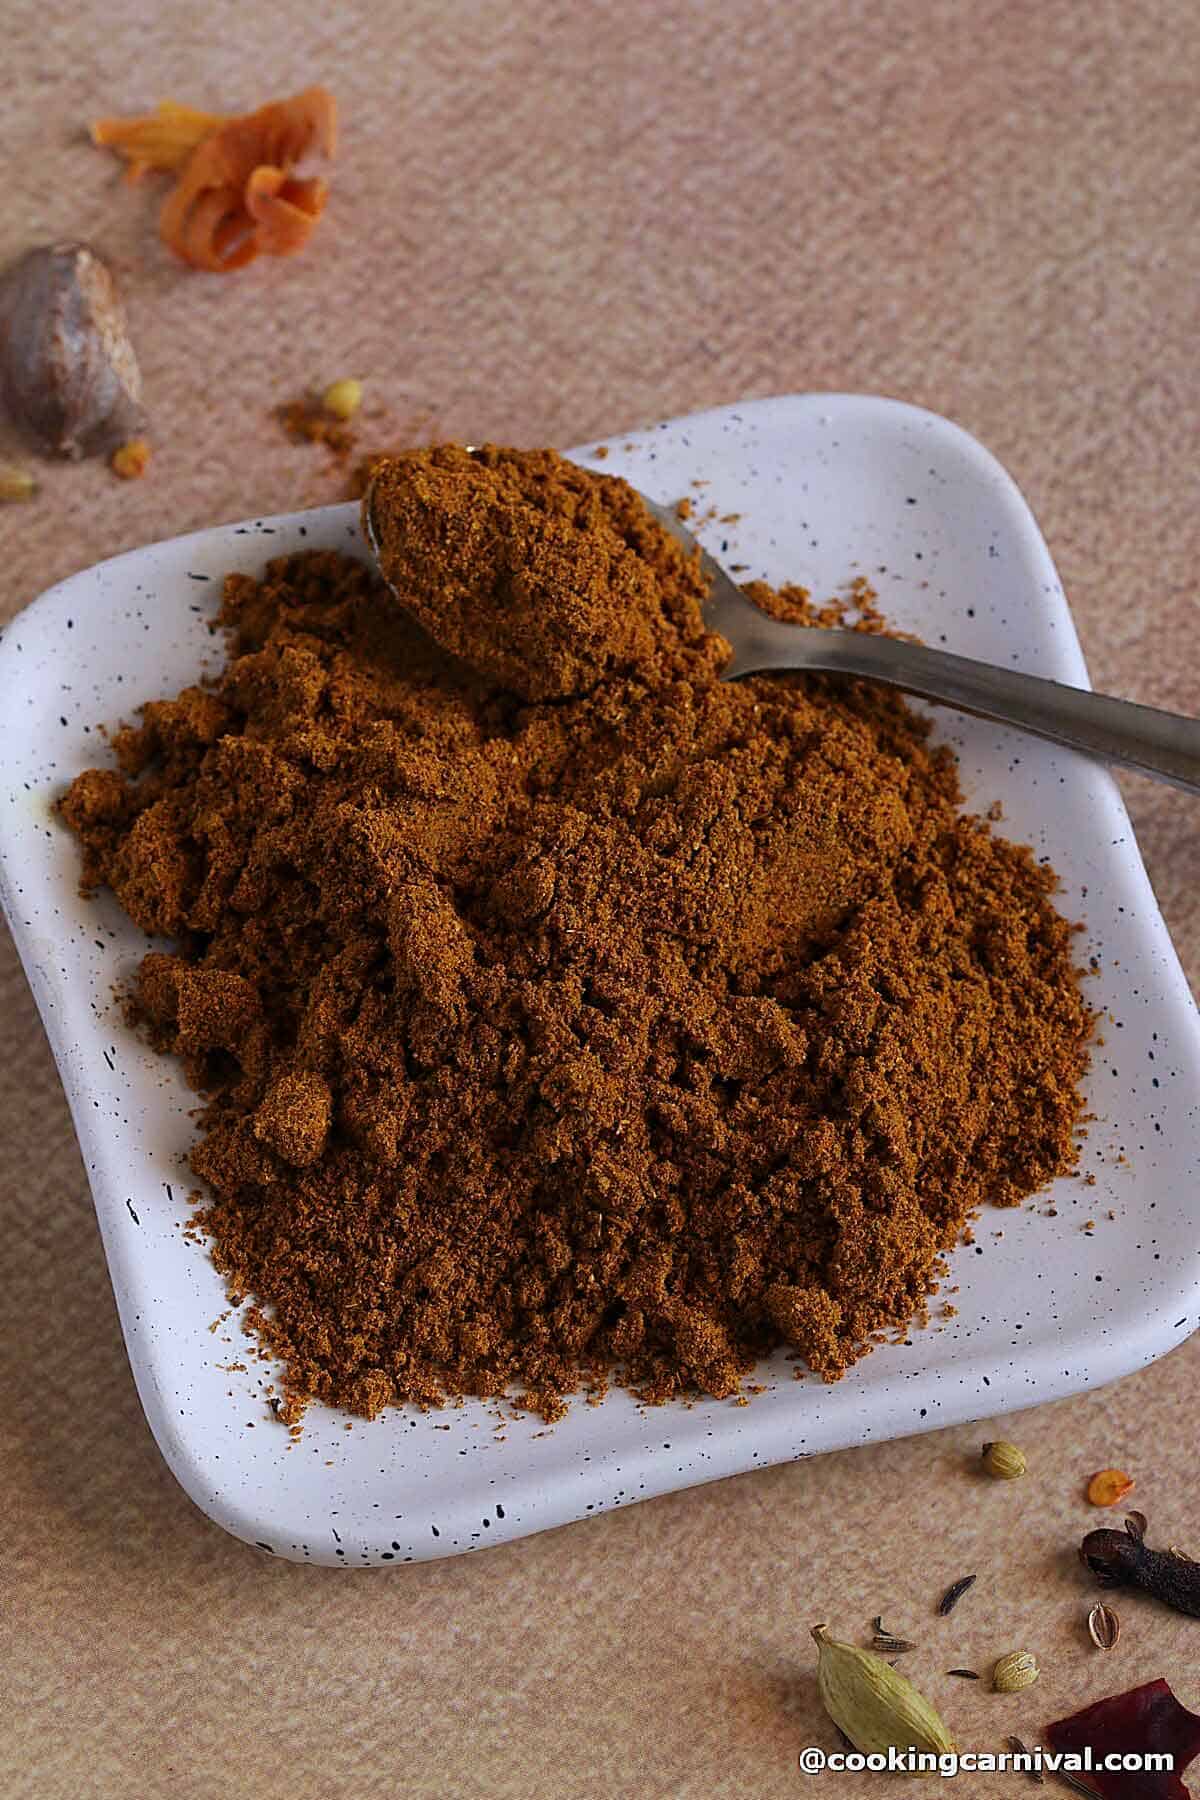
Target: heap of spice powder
x: 562, y: 1013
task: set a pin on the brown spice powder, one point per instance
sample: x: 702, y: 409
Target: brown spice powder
x: 561, y: 1011
x: 309, y: 422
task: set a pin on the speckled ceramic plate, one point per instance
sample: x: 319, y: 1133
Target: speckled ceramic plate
x: 826, y: 488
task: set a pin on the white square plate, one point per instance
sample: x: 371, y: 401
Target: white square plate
x: 828, y: 487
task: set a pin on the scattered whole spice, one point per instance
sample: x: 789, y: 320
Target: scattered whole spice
x: 1107, y: 1486
x: 965, y: 1674
x: 876, y: 1707
x: 235, y: 196
x: 954, y: 1593
x: 560, y: 1011
x: 1104, y: 1627
x: 884, y: 1644
x: 69, y: 379
x: 1017, y: 1670
x: 16, y: 483
x: 1016, y: 1744
x: 158, y: 141
x: 1123, y: 1559
x: 1003, y: 1461
x: 1147, y: 1718
x: 342, y: 398
x: 130, y: 461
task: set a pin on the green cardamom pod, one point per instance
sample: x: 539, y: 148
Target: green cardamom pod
x: 877, y: 1707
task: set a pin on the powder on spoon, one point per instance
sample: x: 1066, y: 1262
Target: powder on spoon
x: 524, y: 569
x: 561, y: 1012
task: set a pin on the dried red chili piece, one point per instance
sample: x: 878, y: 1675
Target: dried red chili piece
x: 1144, y: 1719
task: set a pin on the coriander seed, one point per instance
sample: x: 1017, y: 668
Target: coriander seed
x: 1004, y: 1462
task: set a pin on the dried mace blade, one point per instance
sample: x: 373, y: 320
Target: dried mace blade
x: 1104, y: 1627
x: 1124, y: 1559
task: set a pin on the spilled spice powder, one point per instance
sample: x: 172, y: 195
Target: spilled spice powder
x: 309, y: 421
x: 561, y: 1012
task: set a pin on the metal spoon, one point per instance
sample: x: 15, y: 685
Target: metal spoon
x: 1163, y: 745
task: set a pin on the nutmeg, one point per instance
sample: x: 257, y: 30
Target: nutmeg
x: 68, y: 376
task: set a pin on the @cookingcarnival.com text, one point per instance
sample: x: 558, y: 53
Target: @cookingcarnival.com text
x: 1035, y: 1761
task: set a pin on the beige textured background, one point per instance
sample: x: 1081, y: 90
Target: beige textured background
x: 552, y: 221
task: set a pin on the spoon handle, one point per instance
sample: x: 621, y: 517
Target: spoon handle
x: 1161, y: 744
